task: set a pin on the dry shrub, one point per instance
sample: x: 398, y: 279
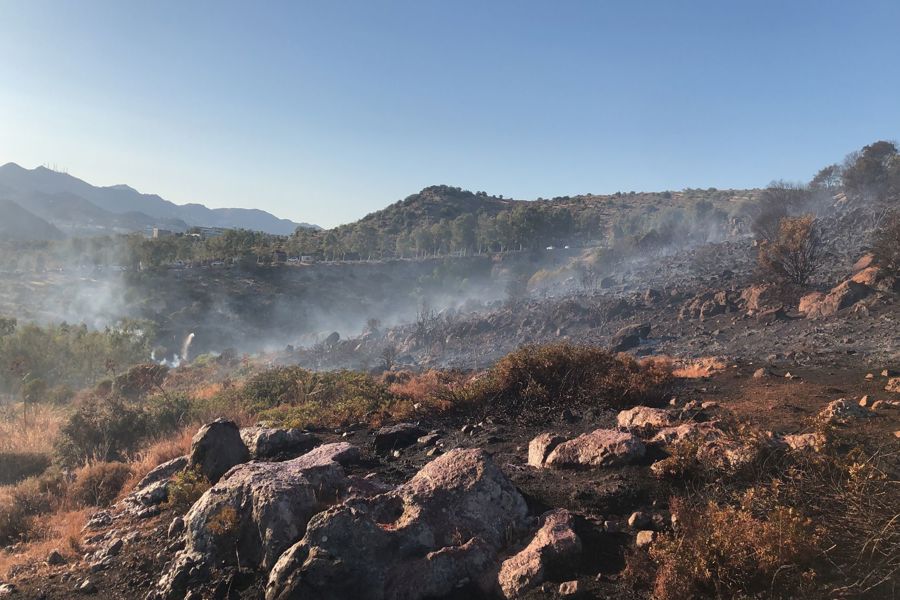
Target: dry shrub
x: 798, y: 525
x: 98, y: 484
x: 535, y: 379
x: 21, y: 503
x: 724, y: 551
x: 698, y: 368
x: 432, y: 390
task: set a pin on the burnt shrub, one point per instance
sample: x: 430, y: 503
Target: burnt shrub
x: 535, y: 379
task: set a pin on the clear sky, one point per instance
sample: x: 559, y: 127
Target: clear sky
x: 324, y: 111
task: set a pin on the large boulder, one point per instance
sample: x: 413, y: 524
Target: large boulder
x: 255, y: 512
x: 441, y: 529
x: 645, y: 418
x: 875, y: 278
x: 554, y: 544
x: 541, y: 446
x: 600, y: 448
x: 760, y: 297
x: 393, y: 437
x: 152, y: 490
x: 840, y: 297
x: 217, y: 447
x: 629, y: 337
x: 268, y: 442
x: 706, y: 305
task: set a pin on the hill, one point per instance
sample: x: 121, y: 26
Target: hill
x: 18, y: 224
x: 81, y: 201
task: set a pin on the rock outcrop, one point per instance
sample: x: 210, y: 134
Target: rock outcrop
x: 217, y: 447
x: 645, y: 418
x: 842, y: 411
x: 255, y: 512
x: 554, y: 544
x: 629, y: 337
x: 599, y: 448
x: 842, y: 296
x: 442, y: 529
x: 268, y: 442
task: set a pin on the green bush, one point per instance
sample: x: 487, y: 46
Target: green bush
x: 101, y: 429
x: 295, y: 397
x: 186, y: 488
x: 140, y: 380
x: 168, y: 412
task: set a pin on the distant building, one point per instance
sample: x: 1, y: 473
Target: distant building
x: 161, y: 233
x: 211, y: 232
x: 279, y: 256
x: 306, y: 260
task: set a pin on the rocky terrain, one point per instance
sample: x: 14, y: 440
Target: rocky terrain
x: 443, y: 508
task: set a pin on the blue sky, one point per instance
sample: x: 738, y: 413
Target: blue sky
x: 325, y: 111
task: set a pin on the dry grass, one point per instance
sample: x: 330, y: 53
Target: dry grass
x: 432, y: 390
x: 698, y: 368
x: 59, y: 531
x: 36, y: 433
x: 164, y: 450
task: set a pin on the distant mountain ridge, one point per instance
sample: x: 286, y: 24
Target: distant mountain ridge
x: 79, y: 208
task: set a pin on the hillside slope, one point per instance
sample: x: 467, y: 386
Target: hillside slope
x: 17, y: 224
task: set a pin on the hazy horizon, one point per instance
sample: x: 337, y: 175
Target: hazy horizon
x: 324, y: 113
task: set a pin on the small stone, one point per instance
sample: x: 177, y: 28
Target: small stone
x: 55, y: 558
x: 864, y: 401
x: 429, y: 439
x: 644, y: 538
x: 760, y: 373
x: 569, y: 589
x: 870, y: 376
x: 86, y: 587
x: 709, y: 404
x: 7, y: 589
x: 638, y: 520
x: 611, y: 526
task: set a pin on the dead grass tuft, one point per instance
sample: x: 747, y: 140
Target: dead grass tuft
x: 706, y: 366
